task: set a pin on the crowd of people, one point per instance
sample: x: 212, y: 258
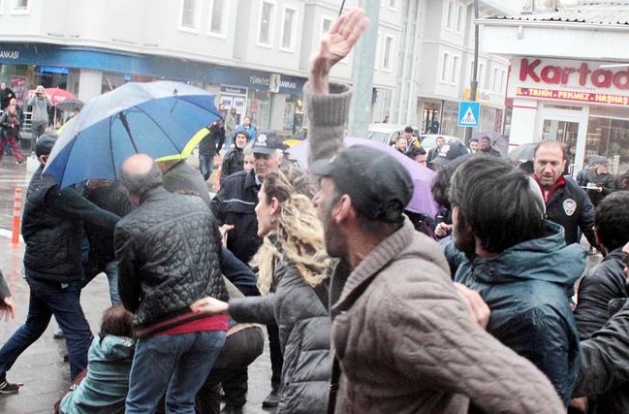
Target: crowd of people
x: 363, y: 312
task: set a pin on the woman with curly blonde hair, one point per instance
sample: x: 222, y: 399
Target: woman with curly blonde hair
x: 293, y: 264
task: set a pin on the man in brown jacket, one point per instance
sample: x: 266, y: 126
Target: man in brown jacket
x: 403, y: 339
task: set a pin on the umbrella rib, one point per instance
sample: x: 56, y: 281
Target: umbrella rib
x: 111, y: 146
x: 158, y: 125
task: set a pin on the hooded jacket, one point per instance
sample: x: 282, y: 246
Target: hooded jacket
x: 105, y: 387
x: 526, y: 289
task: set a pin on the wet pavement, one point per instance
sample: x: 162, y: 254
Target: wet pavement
x: 41, y: 367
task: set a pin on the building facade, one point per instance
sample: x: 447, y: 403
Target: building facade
x: 252, y: 54
x: 574, y: 89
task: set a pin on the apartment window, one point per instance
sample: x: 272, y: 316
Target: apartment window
x: 392, y: 4
x: 288, y: 28
x: 496, y: 80
x: 445, y: 67
x: 189, y: 15
x: 481, y: 75
x: 218, y: 17
x: 326, y: 23
x: 460, y: 18
x: 454, y: 73
x: 20, y: 5
x: 388, y: 52
x: 267, y: 20
x: 503, y: 78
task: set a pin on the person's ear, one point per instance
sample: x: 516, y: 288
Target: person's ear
x: 43, y: 159
x: 343, y: 210
x: 276, y: 206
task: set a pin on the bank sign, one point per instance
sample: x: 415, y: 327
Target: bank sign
x: 569, y: 80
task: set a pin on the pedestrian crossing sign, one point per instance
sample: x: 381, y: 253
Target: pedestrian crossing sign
x: 469, y: 113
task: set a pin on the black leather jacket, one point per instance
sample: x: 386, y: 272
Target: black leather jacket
x: 604, y: 282
x: 235, y: 204
x: 52, y: 227
x: 168, y: 252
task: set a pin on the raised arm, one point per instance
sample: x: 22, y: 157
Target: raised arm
x: 328, y: 105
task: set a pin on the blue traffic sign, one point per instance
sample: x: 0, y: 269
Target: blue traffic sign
x: 469, y: 114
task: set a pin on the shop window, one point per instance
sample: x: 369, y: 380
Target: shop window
x: 218, y: 18
x: 189, y: 15
x: 608, y: 137
x: 388, y: 53
x: 288, y: 29
x: 267, y: 21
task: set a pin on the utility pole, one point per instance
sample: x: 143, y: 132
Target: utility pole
x: 362, y: 72
x: 474, y: 82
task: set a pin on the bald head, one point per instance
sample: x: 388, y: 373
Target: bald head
x: 139, y: 173
x: 552, y: 145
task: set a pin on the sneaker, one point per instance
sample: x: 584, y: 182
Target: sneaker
x: 273, y: 399
x: 7, y: 388
x: 21, y: 162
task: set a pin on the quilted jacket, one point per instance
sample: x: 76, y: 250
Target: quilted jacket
x: 304, y: 330
x: 168, y: 252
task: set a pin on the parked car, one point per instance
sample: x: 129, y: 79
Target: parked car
x: 429, y: 141
x: 388, y: 133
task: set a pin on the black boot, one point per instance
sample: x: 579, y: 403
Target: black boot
x: 273, y: 399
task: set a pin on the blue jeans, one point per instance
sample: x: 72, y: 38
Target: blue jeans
x: 111, y: 270
x: 206, y: 165
x: 49, y: 299
x: 173, y: 364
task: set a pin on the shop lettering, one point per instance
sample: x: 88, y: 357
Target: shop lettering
x: 574, y: 96
x: 9, y: 54
x: 256, y: 80
x: 558, y: 75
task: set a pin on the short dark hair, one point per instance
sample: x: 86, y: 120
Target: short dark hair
x: 473, y: 140
x: 612, y: 220
x: 138, y: 184
x: 116, y: 321
x: 498, y: 203
x: 415, y: 151
x: 550, y: 143
x: 408, y: 129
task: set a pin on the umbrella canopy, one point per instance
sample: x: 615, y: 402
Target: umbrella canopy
x: 523, y: 152
x: 156, y: 118
x: 422, y: 201
x: 56, y: 95
x: 498, y: 141
x: 70, y: 105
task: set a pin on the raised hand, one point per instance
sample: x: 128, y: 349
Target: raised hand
x: 336, y: 45
x: 7, y: 309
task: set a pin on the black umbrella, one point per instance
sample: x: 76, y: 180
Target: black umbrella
x: 522, y: 153
x: 70, y: 105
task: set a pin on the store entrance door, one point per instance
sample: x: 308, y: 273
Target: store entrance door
x: 568, y: 125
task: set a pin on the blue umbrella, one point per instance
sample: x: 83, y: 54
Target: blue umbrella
x: 157, y: 118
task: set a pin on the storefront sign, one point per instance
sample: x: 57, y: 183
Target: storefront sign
x: 598, y: 98
x: 9, y: 54
x: 233, y: 90
x: 569, y: 80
